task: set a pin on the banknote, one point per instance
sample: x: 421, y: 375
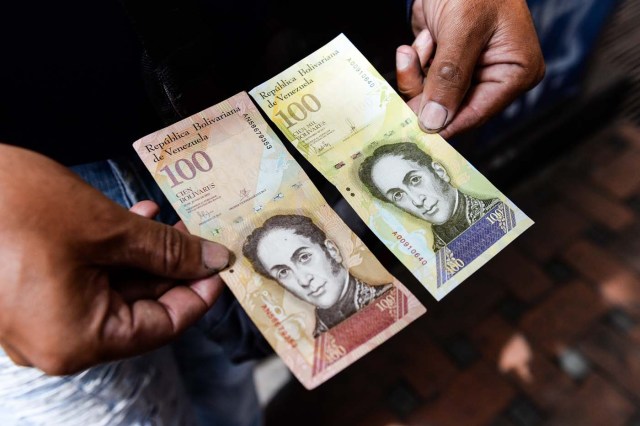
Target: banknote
x: 439, y: 215
x: 318, y: 295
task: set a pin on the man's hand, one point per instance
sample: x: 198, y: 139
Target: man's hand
x: 83, y: 280
x: 470, y: 59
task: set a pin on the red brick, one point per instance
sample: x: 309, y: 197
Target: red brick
x: 619, y: 177
x: 546, y: 386
x: 411, y: 356
x: 533, y: 201
x: 594, y: 263
x: 350, y: 394
x: 556, y: 227
x: 630, y: 133
x: 335, y: 403
x: 378, y: 417
x: 595, y: 205
x: 627, y: 249
x: 427, y: 369
x: 594, y: 153
x: 383, y: 359
x: 465, y: 306
x: 565, y: 315
x: 617, y: 283
x: 634, y: 334
x: 521, y: 275
x: 596, y: 404
x: 617, y: 355
x: 491, y: 335
x: 475, y: 397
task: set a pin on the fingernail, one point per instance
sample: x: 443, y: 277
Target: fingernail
x: 214, y: 255
x: 402, y: 60
x: 433, y: 116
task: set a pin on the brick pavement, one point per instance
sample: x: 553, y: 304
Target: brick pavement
x: 547, y: 333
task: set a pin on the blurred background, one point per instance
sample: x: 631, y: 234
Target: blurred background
x: 548, y: 333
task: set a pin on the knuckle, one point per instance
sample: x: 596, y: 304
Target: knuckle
x: 533, y: 71
x: 406, y: 90
x: 403, y: 88
x: 541, y: 71
x: 173, y: 250
x: 450, y: 76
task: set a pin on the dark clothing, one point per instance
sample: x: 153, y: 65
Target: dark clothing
x: 357, y: 296
x: 77, y: 85
x: 80, y: 83
x: 467, y: 212
x: 70, y: 82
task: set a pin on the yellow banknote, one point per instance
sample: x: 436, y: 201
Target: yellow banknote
x: 315, y: 291
x: 429, y: 206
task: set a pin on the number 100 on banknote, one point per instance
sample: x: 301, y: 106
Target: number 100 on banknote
x: 439, y: 215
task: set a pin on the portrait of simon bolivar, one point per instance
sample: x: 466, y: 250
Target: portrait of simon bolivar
x: 404, y: 175
x: 296, y: 253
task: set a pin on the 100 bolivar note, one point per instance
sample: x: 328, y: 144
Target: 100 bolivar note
x: 315, y: 291
x: 425, y: 202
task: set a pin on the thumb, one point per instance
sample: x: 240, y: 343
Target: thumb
x: 168, y: 252
x: 449, y: 77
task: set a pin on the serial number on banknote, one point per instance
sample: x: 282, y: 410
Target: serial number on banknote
x: 362, y: 73
x: 405, y: 243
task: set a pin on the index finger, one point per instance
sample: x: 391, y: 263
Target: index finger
x: 148, y: 324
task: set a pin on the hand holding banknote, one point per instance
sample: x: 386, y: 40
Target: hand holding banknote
x: 470, y: 59
x: 85, y: 281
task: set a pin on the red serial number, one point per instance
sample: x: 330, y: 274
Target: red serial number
x: 415, y: 253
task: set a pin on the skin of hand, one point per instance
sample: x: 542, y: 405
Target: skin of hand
x: 84, y: 281
x: 470, y: 59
